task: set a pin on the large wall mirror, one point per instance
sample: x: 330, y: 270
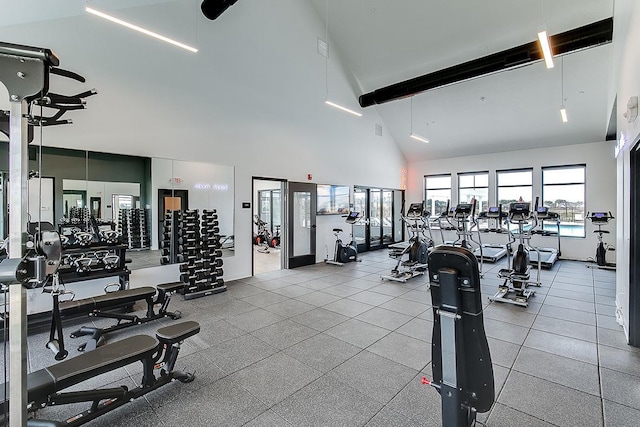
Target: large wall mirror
x: 128, y: 194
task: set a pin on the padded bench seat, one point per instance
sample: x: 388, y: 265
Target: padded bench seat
x: 108, y: 300
x: 47, y: 381
x: 170, y: 287
x: 181, y: 331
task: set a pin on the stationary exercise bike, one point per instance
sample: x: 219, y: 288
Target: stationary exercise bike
x: 342, y: 253
x: 599, y: 219
x: 517, y: 277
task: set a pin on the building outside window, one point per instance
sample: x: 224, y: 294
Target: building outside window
x: 514, y: 185
x: 474, y: 185
x: 437, y: 193
x: 563, y: 192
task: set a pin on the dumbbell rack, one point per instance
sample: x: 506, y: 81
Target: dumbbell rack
x: 132, y: 224
x: 199, y: 254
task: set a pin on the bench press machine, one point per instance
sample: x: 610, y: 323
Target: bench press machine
x: 460, y: 357
x: 104, y: 306
x: 158, y: 357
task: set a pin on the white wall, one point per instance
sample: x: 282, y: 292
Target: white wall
x: 626, y: 83
x: 600, y: 183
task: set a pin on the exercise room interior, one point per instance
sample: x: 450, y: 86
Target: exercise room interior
x: 289, y: 205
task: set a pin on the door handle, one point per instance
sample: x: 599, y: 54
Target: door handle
x: 313, y: 226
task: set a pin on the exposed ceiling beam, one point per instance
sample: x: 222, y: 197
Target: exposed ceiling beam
x: 584, y: 37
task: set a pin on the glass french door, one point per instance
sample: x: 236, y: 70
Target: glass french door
x: 380, y: 224
x: 301, y: 224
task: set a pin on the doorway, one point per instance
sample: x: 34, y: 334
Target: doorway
x: 301, y: 224
x: 170, y: 200
x: 381, y: 212
x: 268, y: 225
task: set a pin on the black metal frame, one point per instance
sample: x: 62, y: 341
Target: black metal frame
x: 634, y: 247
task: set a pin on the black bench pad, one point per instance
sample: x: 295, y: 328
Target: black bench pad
x: 178, y: 332
x: 102, y: 359
x: 170, y: 287
x: 108, y: 300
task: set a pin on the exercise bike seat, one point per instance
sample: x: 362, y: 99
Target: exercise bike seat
x: 337, y: 230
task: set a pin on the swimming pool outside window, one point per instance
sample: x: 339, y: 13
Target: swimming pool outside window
x: 563, y: 192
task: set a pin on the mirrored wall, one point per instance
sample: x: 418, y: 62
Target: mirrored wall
x: 78, y: 191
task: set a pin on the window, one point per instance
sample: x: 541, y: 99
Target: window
x: 474, y: 185
x: 437, y: 193
x: 563, y: 190
x: 514, y: 186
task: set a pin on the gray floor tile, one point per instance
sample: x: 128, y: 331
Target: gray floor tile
x: 221, y: 404
x: 588, y: 307
x: 358, y: 333
x: 504, y: 416
x: 558, y: 369
x: 323, y: 282
x: 620, y: 388
x: 320, y: 319
x: 284, y: 334
x: 503, y: 353
x: 563, y: 346
x: 290, y: 308
x: 238, y: 353
x: 363, y: 284
x: 510, y: 314
x: 410, y: 308
x: 242, y: 290
x: 268, y: 419
x: 565, y: 328
x: 418, y: 402
x: 348, y: 307
x: 616, y: 415
x: 376, y: 376
x: 418, y: 296
x: 579, y: 296
x: 387, y: 417
x: 292, y: 291
x: 543, y: 398
x: 387, y: 319
x: 318, y: 298
x: 620, y: 360
x: 408, y: 351
x: 372, y: 298
x: 218, y: 332
x: 273, y: 284
x: 417, y: 328
x: 394, y: 291
x: 255, y: 319
x: 322, y: 352
x: 606, y: 292
x: 327, y: 402
x: 275, y: 378
x: 568, y: 314
x: 613, y: 338
x: 342, y: 290
x: 264, y: 299
x: 608, y: 322
x: 505, y: 331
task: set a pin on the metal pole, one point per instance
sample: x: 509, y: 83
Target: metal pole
x: 18, y: 196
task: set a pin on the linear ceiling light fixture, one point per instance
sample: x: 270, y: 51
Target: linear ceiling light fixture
x: 563, y: 111
x: 546, y: 48
x: 326, y: 69
x: 340, y: 107
x: 139, y: 29
x: 413, y: 135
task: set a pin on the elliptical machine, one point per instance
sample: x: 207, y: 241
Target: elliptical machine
x: 599, y: 219
x: 517, y: 277
x: 342, y: 253
x: 417, y: 248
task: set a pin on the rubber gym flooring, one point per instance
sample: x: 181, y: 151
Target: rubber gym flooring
x: 334, y: 346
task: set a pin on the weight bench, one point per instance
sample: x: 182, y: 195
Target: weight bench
x: 461, y: 361
x: 99, y: 306
x: 158, y: 356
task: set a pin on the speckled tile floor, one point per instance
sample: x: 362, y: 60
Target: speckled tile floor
x: 336, y: 346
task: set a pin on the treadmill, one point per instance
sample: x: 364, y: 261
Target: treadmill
x: 548, y: 256
x: 492, y: 252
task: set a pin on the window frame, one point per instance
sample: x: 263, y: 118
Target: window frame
x: 584, y: 192
x: 474, y: 187
x: 498, y: 186
x: 438, y: 175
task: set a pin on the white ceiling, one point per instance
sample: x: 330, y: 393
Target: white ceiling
x: 383, y: 42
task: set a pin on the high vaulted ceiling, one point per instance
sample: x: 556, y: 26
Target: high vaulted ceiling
x: 386, y: 42
x: 381, y: 42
